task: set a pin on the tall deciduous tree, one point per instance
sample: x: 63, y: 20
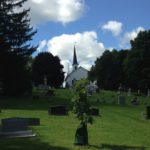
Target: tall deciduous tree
x: 16, y: 32
x: 137, y: 65
x: 92, y: 74
x: 47, y: 65
x: 108, y: 69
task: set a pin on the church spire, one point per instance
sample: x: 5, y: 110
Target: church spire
x: 75, y: 63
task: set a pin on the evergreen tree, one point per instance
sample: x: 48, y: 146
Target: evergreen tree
x: 15, y: 30
x: 15, y: 27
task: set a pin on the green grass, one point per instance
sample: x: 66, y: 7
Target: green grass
x: 118, y: 128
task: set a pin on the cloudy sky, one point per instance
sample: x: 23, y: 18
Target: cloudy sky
x: 92, y: 25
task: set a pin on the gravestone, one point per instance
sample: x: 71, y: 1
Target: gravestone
x: 135, y: 101
x: 33, y: 121
x: 45, y: 80
x: 14, y: 124
x: 15, y: 127
x: 113, y: 99
x: 121, y: 100
x: 148, y: 112
x: 120, y: 89
x: 81, y: 135
x: 58, y: 110
x: 50, y: 92
x: 94, y: 111
x: 92, y: 88
x: 148, y: 93
x: 138, y: 92
x: 129, y: 92
x: 36, y: 97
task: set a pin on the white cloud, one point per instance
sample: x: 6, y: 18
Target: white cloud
x: 88, y: 48
x: 113, y: 26
x: 110, y: 48
x: 42, y: 45
x: 63, y: 11
x: 128, y: 36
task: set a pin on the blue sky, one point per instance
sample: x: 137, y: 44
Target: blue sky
x: 95, y: 25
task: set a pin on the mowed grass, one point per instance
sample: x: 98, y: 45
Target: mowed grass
x: 118, y: 128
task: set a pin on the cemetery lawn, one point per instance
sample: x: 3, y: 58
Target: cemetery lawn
x: 118, y: 128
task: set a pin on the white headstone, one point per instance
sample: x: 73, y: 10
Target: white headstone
x: 129, y: 92
x: 120, y: 89
x: 148, y: 93
x: 45, y: 81
x: 139, y: 92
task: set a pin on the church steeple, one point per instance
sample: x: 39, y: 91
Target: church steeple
x: 75, y: 63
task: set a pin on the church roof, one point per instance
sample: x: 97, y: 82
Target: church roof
x: 68, y: 75
x: 75, y: 62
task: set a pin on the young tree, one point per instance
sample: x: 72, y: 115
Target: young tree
x: 47, y: 65
x: 81, y: 108
x: 15, y: 30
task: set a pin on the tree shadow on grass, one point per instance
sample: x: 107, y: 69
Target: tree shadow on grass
x: 27, y: 144
x: 121, y: 147
x: 28, y: 103
x: 36, y: 101
x: 117, y: 147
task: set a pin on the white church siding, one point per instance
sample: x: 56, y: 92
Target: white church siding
x: 77, y: 72
x: 75, y: 75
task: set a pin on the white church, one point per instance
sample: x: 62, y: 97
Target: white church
x: 77, y: 73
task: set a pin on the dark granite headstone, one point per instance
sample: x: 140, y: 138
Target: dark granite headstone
x: 81, y: 136
x: 148, y: 112
x: 33, y: 121
x: 36, y: 97
x: 113, y: 99
x: 50, y: 92
x: 135, y: 101
x: 14, y: 124
x: 57, y: 110
x: 121, y: 100
x: 94, y: 111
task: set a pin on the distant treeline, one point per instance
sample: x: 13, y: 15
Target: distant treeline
x: 130, y: 67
